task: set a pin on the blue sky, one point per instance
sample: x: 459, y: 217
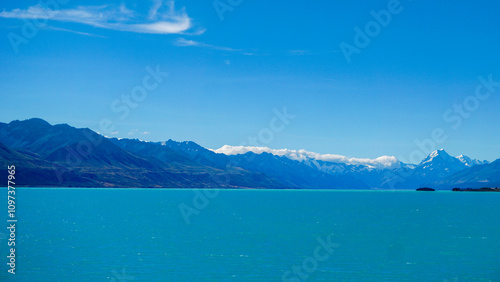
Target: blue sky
x: 226, y: 76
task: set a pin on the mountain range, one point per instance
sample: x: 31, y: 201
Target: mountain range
x: 64, y: 156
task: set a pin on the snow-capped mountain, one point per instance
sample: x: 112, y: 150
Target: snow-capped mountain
x: 477, y: 176
x: 470, y: 162
x: 383, y: 172
x: 383, y: 162
x: 441, y: 161
x: 437, y: 160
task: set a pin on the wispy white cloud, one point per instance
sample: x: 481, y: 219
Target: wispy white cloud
x: 132, y: 132
x: 302, y: 155
x: 187, y: 43
x: 299, y: 52
x: 153, y: 11
x: 146, y: 133
x: 73, y: 31
x: 162, y: 18
x: 198, y: 31
x: 182, y: 42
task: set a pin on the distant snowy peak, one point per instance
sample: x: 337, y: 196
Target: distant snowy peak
x: 470, y: 162
x: 440, y: 155
x: 465, y: 160
x: 440, y: 158
x: 383, y: 162
x: 437, y: 153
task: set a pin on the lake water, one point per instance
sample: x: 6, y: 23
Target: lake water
x: 253, y: 235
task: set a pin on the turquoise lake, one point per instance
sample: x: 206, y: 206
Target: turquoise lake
x: 253, y: 235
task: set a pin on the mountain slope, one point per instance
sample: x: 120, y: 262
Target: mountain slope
x: 80, y: 157
x: 348, y: 173
x: 295, y: 174
x: 470, y: 162
x: 190, y: 158
x: 436, y: 166
x: 486, y: 175
x: 65, y: 144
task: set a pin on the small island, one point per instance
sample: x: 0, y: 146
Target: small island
x: 425, y: 189
x: 484, y: 189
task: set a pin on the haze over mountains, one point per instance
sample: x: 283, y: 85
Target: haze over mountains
x: 64, y: 156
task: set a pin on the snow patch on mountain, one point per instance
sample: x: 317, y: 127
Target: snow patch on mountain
x: 383, y: 162
x: 441, y: 156
x: 470, y: 162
